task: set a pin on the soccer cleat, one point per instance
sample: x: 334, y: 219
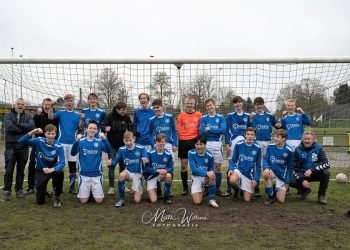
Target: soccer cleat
x: 168, y: 200
x: 257, y: 193
x: 269, y: 201
x: 20, y: 194
x: 185, y: 191
x: 6, y: 196
x: 111, y: 190
x: 322, y: 200
x: 213, y: 204
x: 222, y: 194
x: 30, y: 191
x: 120, y: 203
x: 57, y: 201
x: 304, y: 194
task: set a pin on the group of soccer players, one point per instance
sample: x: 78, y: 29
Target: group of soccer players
x: 145, y: 151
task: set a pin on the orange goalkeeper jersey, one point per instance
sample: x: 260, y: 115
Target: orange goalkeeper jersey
x: 188, y: 125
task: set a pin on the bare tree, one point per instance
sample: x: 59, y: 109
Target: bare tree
x: 161, y: 88
x: 224, y: 99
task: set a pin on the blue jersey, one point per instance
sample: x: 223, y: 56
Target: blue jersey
x: 46, y: 155
x: 247, y: 159
x: 163, y: 125
x: 263, y: 124
x: 131, y: 158
x: 280, y: 161
x: 68, y: 122
x: 294, y: 125
x: 200, y: 164
x: 236, y: 124
x: 159, y: 161
x: 217, y: 126
x: 90, y: 155
x: 98, y: 115
x: 141, y: 124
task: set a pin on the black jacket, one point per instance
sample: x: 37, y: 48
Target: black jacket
x: 42, y: 120
x: 16, y: 125
x: 119, y: 124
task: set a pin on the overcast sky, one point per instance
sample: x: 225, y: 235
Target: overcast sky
x: 174, y: 29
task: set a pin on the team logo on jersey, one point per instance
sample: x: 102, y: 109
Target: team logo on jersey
x: 167, y: 121
x: 314, y: 157
x: 53, y: 152
x: 267, y: 119
x: 217, y: 120
x: 205, y: 160
x: 165, y: 159
x: 298, y: 118
x: 95, y: 144
x: 97, y: 116
x: 245, y: 119
x: 253, y: 152
x: 137, y: 153
x: 285, y: 155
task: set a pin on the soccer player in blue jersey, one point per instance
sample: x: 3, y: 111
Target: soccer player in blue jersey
x: 163, y: 123
x: 213, y: 126
x: 68, y: 122
x: 245, y: 165
x: 141, y: 121
x: 134, y: 157
x: 263, y: 122
x: 50, y: 162
x: 201, y: 162
x: 294, y: 123
x: 93, y: 112
x: 278, y: 163
x: 159, y: 168
x: 90, y: 162
x: 236, y: 124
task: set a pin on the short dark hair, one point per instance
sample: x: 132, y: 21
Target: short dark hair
x: 250, y: 129
x: 47, y: 100
x: 237, y: 98
x: 160, y: 137
x: 50, y: 128
x: 201, y: 138
x: 281, y: 132
x: 209, y: 100
x: 92, y: 122
x: 120, y: 105
x: 92, y: 95
x: 259, y: 100
x: 157, y: 102
x: 147, y: 96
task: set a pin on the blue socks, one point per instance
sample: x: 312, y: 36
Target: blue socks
x: 167, y: 187
x: 269, y: 192
x: 121, y: 189
x: 218, y: 177
x: 212, y: 191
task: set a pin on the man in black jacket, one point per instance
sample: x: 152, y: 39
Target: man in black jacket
x: 17, y: 123
x: 116, y: 123
x: 40, y: 120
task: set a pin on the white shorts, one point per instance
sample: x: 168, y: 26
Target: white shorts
x: 67, y: 155
x: 233, y: 143
x: 293, y: 143
x: 136, y: 181
x: 196, y: 184
x: 90, y: 184
x: 152, y: 183
x: 215, y: 147
x: 263, y: 145
x: 246, y: 184
x: 147, y: 147
x: 279, y: 182
x: 169, y: 147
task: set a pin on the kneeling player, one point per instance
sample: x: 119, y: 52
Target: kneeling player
x: 90, y: 162
x: 133, y: 156
x: 49, y: 158
x: 159, y: 168
x: 201, y: 162
x: 278, y: 163
x: 245, y: 165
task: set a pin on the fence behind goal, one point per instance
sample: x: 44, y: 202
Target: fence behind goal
x: 312, y: 82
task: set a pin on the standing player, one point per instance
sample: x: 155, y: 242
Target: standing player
x: 163, y: 123
x: 49, y: 157
x: 68, y: 121
x: 116, y: 124
x: 236, y: 124
x: 90, y: 162
x: 141, y: 121
x: 278, y: 163
x: 245, y: 165
x: 159, y: 168
x: 201, y: 162
x: 212, y: 126
x: 294, y: 123
x: 134, y: 157
x: 93, y: 112
x: 263, y: 122
x: 188, y: 129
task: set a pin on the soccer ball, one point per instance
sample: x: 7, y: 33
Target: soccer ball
x: 341, y: 178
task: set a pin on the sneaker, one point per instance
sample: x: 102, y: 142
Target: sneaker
x: 111, y: 190
x: 213, y: 204
x: 20, y: 194
x: 72, y: 191
x: 222, y: 194
x: 57, y: 201
x: 206, y: 192
x: 30, y: 191
x: 269, y: 201
x: 322, y: 200
x: 257, y: 193
x: 185, y: 191
x: 168, y: 200
x: 304, y: 194
x: 6, y: 196
x: 120, y: 203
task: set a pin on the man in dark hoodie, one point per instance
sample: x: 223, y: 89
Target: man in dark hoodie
x: 17, y: 123
x: 116, y: 123
x: 40, y: 120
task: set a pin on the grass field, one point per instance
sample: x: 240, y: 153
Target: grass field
x: 296, y: 224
